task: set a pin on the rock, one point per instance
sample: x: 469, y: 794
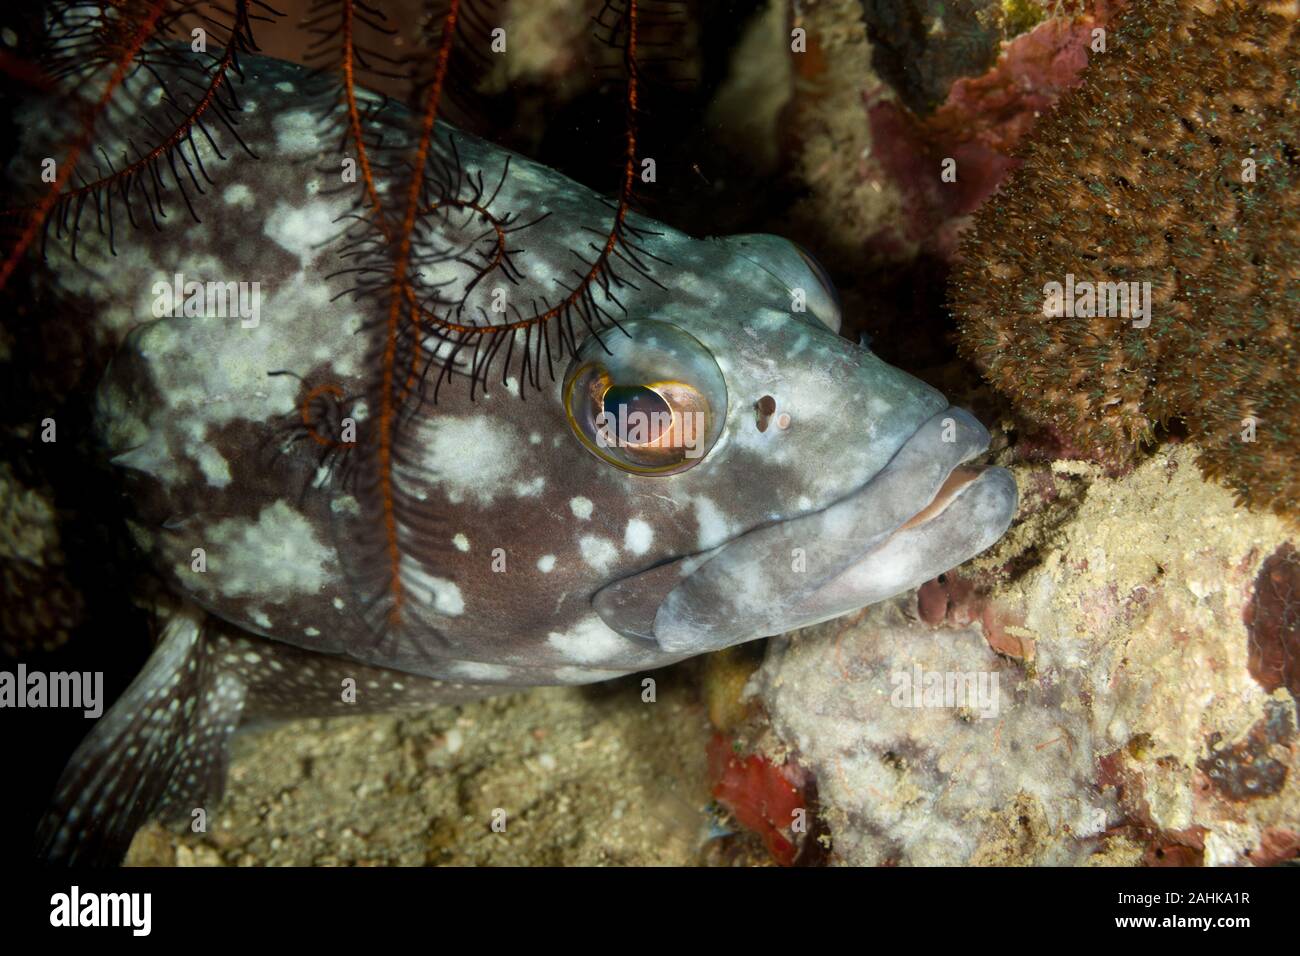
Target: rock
x: 1135, y: 729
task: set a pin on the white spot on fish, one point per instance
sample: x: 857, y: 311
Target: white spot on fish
x: 599, y: 553
x: 297, y: 133
x: 531, y: 488
x: 278, y: 555
x: 479, y: 671
x: 465, y: 457
x: 439, y: 593
x: 460, y: 541
x: 238, y: 195
x: 638, y: 536
x: 588, y: 642
x: 712, y: 525
x: 213, y: 464
x: 345, y: 504
x: 300, y: 230
x: 581, y: 507
x: 546, y: 563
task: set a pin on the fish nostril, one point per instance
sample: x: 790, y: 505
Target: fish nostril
x: 764, y: 408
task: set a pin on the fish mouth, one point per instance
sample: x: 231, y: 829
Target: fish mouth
x: 929, y: 509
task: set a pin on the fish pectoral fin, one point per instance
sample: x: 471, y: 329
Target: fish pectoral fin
x: 160, y: 751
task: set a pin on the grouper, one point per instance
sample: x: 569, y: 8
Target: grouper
x: 355, y: 517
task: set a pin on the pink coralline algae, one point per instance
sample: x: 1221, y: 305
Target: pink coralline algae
x: 763, y: 797
x: 978, y: 126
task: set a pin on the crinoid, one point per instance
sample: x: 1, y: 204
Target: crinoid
x: 1173, y: 168
x: 142, y: 101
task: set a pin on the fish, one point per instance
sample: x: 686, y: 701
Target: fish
x: 713, y: 465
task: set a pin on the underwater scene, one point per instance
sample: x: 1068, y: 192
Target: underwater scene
x: 716, y: 433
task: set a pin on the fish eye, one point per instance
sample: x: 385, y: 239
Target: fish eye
x: 650, y: 402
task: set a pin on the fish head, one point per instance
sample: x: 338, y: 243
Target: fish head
x: 835, y: 480
x: 723, y: 466
x: 528, y: 532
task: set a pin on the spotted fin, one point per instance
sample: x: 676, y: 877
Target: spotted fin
x: 160, y: 751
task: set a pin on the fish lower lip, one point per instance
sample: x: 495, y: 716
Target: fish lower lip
x: 973, y: 510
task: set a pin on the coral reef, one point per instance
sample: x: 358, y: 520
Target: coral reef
x: 921, y: 46
x: 1174, y: 164
x: 924, y: 785
x: 865, y: 166
x: 977, y: 126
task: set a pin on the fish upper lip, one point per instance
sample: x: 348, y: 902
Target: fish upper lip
x: 975, y: 460
x: 971, y: 458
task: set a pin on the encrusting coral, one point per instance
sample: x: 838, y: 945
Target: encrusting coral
x: 1176, y: 163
